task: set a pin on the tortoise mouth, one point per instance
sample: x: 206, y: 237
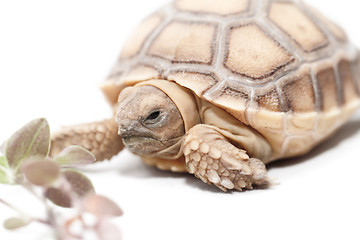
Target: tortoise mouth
x: 131, y: 140
x: 147, y: 144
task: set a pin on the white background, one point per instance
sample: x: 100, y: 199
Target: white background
x: 53, y: 56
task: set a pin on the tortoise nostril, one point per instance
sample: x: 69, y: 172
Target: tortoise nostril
x: 121, y: 131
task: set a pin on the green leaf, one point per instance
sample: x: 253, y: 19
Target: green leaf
x: 80, y: 187
x: 4, y: 178
x: 74, y: 156
x: 3, y: 162
x: 15, y: 223
x: 31, y: 140
x: 40, y: 172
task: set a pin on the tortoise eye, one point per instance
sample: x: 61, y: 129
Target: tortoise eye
x: 154, y: 115
x: 153, y: 118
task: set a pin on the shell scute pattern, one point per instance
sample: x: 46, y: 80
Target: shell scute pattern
x: 327, y: 87
x: 349, y: 84
x: 201, y: 82
x: 235, y: 98
x: 296, y: 102
x: 185, y: 42
x: 278, y: 66
x: 356, y: 71
x: 219, y: 7
x: 299, y: 124
x: 300, y: 28
x: 269, y: 100
x: 138, y: 38
x: 253, y: 54
x: 331, y: 26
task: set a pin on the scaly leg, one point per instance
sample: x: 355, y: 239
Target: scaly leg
x: 100, y: 138
x: 213, y: 159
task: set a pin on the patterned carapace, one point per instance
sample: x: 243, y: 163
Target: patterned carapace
x: 278, y: 66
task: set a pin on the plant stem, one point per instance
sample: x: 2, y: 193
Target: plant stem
x: 3, y: 169
x: 45, y: 222
x: 13, y: 208
x: 51, y: 218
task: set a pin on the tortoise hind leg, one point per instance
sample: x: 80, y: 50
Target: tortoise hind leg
x: 100, y: 138
x: 213, y: 159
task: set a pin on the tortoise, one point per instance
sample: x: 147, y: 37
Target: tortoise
x: 220, y: 88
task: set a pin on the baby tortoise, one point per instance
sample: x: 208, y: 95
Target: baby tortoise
x: 219, y: 88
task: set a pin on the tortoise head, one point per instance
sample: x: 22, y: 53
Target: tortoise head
x: 148, y: 120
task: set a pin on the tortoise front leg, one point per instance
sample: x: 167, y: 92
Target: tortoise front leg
x: 100, y: 138
x: 213, y: 159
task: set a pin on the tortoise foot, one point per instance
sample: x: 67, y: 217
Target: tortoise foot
x: 210, y: 157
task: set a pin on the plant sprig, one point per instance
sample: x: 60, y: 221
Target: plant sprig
x: 26, y: 162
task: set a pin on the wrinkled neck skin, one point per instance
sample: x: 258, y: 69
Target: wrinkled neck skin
x: 153, y: 117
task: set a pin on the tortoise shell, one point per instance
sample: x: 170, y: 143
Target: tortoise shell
x: 279, y: 66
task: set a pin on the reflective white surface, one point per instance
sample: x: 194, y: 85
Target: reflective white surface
x: 53, y: 56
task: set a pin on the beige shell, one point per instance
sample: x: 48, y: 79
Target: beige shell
x: 278, y: 66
